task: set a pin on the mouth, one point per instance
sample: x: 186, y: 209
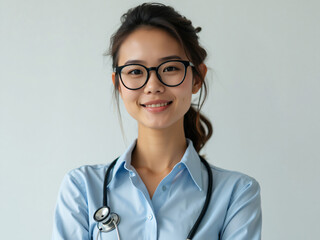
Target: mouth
x: 156, y: 105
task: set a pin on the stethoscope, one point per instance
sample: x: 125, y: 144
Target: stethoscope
x: 107, y: 220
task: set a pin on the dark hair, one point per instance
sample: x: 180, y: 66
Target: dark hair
x: 196, y: 126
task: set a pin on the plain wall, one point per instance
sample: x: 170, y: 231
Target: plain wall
x: 57, y: 112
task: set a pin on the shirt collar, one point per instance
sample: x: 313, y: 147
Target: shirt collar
x: 190, y: 160
x: 124, y: 161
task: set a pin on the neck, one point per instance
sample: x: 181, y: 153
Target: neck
x: 158, y: 150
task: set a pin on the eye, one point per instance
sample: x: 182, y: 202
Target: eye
x: 135, y: 72
x: 170, y: 69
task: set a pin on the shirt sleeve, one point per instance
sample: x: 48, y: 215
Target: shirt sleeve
x: 244, y: 219
x: 71, y: 212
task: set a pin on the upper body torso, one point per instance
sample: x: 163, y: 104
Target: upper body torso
x: 234, y: 211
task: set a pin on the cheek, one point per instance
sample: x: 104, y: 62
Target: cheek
x: 128, y: 97
x: 185, y: 91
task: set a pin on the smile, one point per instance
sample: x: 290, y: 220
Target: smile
x: 155, y: 107
x: 158, y: 105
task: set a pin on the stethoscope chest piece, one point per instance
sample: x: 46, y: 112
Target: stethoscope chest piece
x: 111, y: 224
x: 106, y: 221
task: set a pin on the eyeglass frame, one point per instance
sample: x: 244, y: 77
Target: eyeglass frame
x: 186, y: 64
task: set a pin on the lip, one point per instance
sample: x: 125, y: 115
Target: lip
x: 156, y: 102
x: 154, y: 109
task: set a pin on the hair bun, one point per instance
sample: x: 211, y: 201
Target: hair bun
x: 198, y: 29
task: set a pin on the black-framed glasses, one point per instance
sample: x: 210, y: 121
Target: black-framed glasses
x: 170, y: 73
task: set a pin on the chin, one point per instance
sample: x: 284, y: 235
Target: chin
x: 156, y: 126
x: 163, y: 125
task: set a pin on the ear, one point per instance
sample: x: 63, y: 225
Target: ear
x: 114, y: 78
x: 197, y: 82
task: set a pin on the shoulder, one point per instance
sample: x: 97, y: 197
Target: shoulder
x: 229, y: 175
x: 238, y: 196
x: 76, y: 201
x: 87, y: 170
x: 233, y: 182
x: 80, y: 183
x: 84, y: 176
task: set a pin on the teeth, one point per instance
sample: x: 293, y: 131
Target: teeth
x: 158, y: 105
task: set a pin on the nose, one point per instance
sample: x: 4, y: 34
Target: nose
x: 153, y: 85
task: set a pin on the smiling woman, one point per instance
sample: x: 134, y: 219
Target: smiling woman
x: 160, y: 188
x: 170, y: 84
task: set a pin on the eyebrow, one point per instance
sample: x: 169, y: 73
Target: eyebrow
x: 172, y: 57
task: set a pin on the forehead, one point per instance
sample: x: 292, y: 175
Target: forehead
x: 149, y: 45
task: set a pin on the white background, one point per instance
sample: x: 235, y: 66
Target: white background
x: 56, y: 109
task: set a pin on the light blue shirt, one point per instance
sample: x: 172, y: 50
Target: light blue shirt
x: 234, y: 212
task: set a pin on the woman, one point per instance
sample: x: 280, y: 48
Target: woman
x: 158, y: 188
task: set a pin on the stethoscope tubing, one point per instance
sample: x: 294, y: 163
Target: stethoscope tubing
x: 205, y: 206
x: 105, y: 182
x: 207, y: 201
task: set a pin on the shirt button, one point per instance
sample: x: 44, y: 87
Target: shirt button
x: 179, y: 166
x: 164, y: 188
x: 150, y: 217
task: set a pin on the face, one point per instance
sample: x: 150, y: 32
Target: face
x: 155, y: 105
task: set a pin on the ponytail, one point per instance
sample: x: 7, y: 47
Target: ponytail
x: 197, y: 128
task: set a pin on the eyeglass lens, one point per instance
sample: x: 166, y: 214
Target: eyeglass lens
x: 171, y: 73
